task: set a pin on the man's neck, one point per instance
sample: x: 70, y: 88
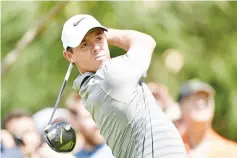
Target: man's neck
x: 81, y: 71
x: 196, y: 133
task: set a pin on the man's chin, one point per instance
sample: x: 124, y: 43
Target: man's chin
x: 101, y: 62
x: 102, y: 59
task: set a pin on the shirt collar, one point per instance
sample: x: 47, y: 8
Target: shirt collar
x: 78, y: 81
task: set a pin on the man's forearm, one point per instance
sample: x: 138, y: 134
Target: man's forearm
x: 125, y: 39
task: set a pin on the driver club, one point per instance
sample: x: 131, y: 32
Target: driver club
x: 60, y: 136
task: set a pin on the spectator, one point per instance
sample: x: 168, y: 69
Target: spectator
x: 23, y: 130
x: 168, y: 105
x: 72, y: 103
x: 8, y: 146
x: 197, y: 105
x: 165, y: 101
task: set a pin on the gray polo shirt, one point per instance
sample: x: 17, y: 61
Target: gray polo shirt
x: 123, y: 107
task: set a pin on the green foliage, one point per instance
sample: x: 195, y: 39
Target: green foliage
x: 203, y: 32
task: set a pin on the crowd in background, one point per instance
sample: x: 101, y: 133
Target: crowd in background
x: 192, y: 114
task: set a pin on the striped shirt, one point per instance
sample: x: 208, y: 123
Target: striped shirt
x: 128, y: 115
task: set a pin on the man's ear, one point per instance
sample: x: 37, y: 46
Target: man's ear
x: 69, y: 56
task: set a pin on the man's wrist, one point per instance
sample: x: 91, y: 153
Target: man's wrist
x: 109, y: 36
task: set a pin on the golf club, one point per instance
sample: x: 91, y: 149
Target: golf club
x: 60, y: 136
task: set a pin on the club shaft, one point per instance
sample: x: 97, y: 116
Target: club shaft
x: 61, y: 91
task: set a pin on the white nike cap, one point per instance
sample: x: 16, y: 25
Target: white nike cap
x: 76, y: 28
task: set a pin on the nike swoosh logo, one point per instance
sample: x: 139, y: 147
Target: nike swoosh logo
x: 76, y: 23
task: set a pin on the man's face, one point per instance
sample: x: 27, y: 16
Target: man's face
x: 198, y: 107
x: 92, y: 52
x: 20, y: 126
x: 24, y: 128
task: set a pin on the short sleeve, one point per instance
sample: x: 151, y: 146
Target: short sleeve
x: 128, y: 69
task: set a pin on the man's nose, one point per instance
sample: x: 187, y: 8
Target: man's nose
x: 96, y: 48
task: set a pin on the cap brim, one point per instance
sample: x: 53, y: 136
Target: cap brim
x: 205, y: 90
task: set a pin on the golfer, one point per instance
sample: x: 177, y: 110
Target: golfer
x: 113, y: 92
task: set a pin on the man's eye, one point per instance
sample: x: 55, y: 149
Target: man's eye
x: 99, y: 38
x: 83, y: 45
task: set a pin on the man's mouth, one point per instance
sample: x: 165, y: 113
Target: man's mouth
x: 100, y: 56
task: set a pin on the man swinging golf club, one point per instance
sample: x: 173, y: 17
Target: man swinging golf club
x: 113, y: 91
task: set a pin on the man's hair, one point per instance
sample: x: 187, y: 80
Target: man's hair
x: 15, y: 114
x: 69, y: 49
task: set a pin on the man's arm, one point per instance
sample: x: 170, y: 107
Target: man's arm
x: 127, y: 39
x: 128, y: 69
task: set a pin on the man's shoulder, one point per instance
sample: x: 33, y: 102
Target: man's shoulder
x: 113, y: 72
x: 213, y: 135
x: 221, y: 143
x: 110, y: 78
